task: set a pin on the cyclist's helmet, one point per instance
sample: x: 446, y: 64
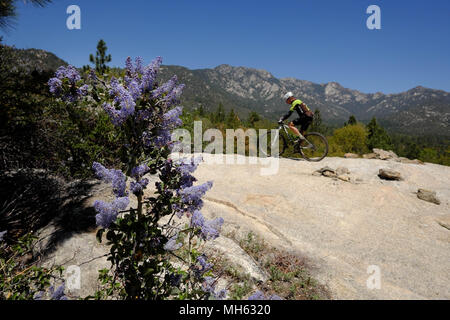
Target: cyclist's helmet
x: 288, y: 95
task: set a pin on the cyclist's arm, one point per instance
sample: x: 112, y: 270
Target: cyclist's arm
x: 287, y: 115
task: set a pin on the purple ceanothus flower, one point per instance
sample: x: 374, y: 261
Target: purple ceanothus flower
x: 165, y: 88
x: 189, y: 165
x: 118, y: 117
x: 108, y: 212
x: 163, y: 138
x: 191, y: 196
x: 129, y: 66
x: 113, y: 176
x: 58, y: 294
x: 138, y: 187
x: 209, y: 230
x: 209, y: 286
x: 172, y: 244
x: 139, y: 171
x: 143, y: 115
x: 83, y: 90
x: 149, y: 74
x: 172, y: 118
x: 258, y: 295
x: 139, y: 68
x: 72, y: 76
x: 121, y: 95
x: 69, y: 72
x: 173, y: 96
x: 134, y: 89
x: 175, y: 279
x: 202, y: 260
x: 55, y: 85
x: 39, y: 295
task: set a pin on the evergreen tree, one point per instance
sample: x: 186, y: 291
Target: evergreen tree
x: 201, y: 111
x: 412, y: 150
x: 8, y: 11
x: 317, y: 124
x: 101, y: 59
x: 351, y: 121
x: 232, y: 121
x: 219, y: 116
x: 253, y: 117
x: 377, y: 137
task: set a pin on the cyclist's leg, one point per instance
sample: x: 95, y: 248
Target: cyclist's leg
x: 292, y: 125
x: 304, y: 124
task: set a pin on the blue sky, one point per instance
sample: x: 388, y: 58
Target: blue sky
x: 314, y: 40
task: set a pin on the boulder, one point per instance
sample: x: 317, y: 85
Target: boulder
x: 351, y: 156
x: 444, y: 221
x: 406, y: 160
x: 428, y: 195
x: 384, y: 155
x: 342, y: 170
x: 388, y: 174
x: 370, y: 156
x: 344, y: 177
x: 327, y: 172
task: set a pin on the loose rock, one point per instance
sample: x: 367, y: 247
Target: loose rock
x: 370, y: 156
x: 326, y: 171
x: 351, y: 156
x: 388, y: 174
x: 344, y: 177
x: 428, y: 195
x: 444, y: 221
x: 384, y: 155
x: 342, y: 170
x: 406, y: 160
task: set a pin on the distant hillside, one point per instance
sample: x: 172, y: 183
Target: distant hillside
x: 35, y: 59
x: 416, y: 112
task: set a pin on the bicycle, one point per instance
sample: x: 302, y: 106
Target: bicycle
x: 313, y: 146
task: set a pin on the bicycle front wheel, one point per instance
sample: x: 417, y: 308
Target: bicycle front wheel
x: 315, y: 148
x: 271, y: 145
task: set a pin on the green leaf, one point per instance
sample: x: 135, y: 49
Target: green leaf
x: 99, y: 235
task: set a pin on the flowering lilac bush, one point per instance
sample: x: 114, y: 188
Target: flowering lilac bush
x: 143, y: 244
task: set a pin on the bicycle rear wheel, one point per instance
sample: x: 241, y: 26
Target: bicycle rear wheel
x: 315, y: 148
x: 271, y: 146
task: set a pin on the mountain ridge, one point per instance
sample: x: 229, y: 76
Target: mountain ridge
x: 417, y: 111
x: 258, y: 90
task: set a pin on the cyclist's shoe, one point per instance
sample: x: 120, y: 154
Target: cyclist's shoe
x: 298, y: 144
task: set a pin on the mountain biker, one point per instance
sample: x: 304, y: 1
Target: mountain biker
x: 305, y: 115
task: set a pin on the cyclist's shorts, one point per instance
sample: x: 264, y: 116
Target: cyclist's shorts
x: 303, y: 122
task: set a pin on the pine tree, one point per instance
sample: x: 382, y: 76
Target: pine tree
x: 317, y: 125
x: 219, y: 116
x: 377, y: 137
x: 201, y: 111
x: 8, y: 11
x: 232, y: 120
x: 253, y: 117
x: 101, y: 59
x: 351, y: 121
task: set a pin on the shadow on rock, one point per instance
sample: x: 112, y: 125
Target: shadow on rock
x: 33, y: 199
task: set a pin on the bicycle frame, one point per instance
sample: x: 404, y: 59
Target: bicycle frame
x: 286, y: 130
